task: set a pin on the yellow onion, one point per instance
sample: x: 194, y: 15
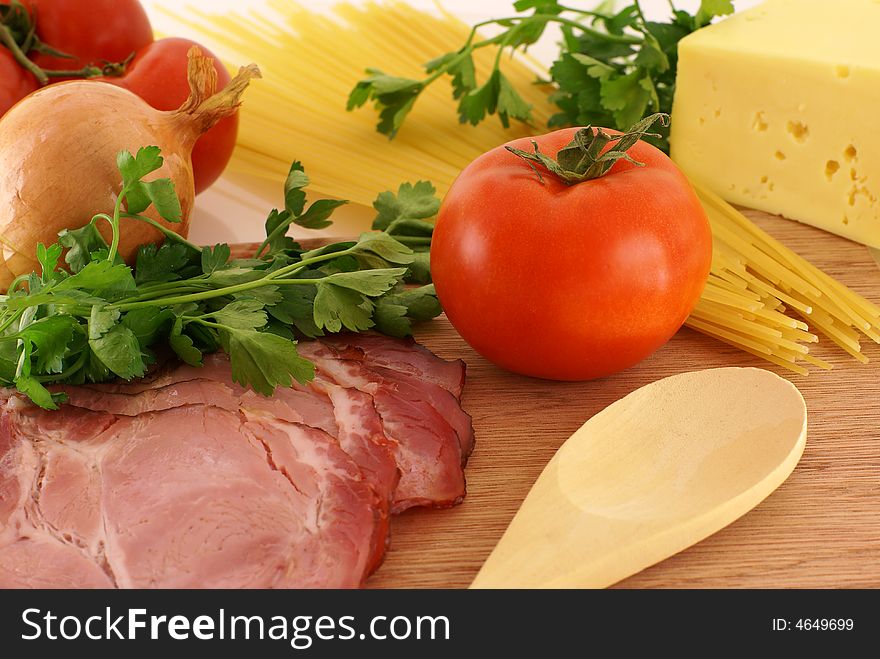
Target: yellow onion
x: 58, y: 152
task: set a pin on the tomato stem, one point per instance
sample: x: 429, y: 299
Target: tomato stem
x: 16, y: 20
x: 8, y: 40
x: 586, y: 156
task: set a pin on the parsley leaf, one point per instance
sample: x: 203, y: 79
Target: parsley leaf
x: 48, y: 258
x: 118, y: 349
x: 337, y: 307
x: 316, y: 217
x: 369, y: 282
x: 394, y: 98
x: 709, y: 9
x: 263, y: 360
x: 100, y: 276
x: 160, y: 263
x: 38, y: 394
x: 412, y: 202
x: 80, y: 244
x: 215, y: 259
x: 183, y: 346
x: 134, y: 168
x: 395, y: 312
x: 277, y: 239
x: 613, y: 68
x: 99, y: 319
x: 296, y: 308
x: 148, y: 324
x: 242, y: 314
x: 384, y: 246
x: 294, y: 193
x: 50, y: 337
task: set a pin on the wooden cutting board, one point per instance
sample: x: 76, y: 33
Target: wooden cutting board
x: 821, y: 529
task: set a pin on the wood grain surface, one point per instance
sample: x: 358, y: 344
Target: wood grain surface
x: 820, y: 529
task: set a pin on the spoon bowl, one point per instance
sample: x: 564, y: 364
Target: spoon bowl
x: 649, y: 476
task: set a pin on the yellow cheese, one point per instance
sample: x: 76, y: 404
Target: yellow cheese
x: 777, y: 108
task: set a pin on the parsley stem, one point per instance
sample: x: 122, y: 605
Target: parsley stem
x: 582, y: 12
x: 299, y: 265
x: 277, y: 232
x: 8, y: 323
x: 639, y: 11
x: 504, y: 37
x: 553, y: 18
x: 66, y: 373
x: 114, y: 223
x: 159, y: 294
x: 270, y: 279
x: 189, y: 297
x: 27, y: 317
x: 168, y: 233
x: 15, y: 282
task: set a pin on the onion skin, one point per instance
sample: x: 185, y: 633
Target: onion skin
x: 58, y: 151
x: 58, y: 163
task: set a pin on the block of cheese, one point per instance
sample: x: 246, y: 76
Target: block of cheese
x: 777, y: 108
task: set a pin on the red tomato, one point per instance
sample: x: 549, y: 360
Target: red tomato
x: 93, y: 31
x: 569, y: 282
x: 158, y: 75
x: 15, y: 82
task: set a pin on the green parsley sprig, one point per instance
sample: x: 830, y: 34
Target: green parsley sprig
x: 613, y: 68
x: 95, y: 318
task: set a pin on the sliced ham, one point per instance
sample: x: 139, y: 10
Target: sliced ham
x: 425, y: 443
x: 346, y: 414
x: 275, y: 504
x: 404, y: 355
x: 193, y: 496
x: 424, y: 374
x: 389, y: 419
x: 186, y: 479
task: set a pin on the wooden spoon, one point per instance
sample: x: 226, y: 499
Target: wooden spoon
x: 650, y: 475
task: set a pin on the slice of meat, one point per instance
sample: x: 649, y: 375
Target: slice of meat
x: 404, y: 355
x: 425, y: 445
x: 33, y: 552
x: 193, y: 496
x: 425, y: 375
x: 416, y: 413
x: 232, y: 503
x: 38, y: 560
x: 346, y: 414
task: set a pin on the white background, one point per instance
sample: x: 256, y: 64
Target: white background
x: 234, y: 209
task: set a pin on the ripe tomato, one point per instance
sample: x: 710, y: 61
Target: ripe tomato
x: 569, y: 282
x: 158, y: 75
x: 15, y: 82
x: 92, y: 31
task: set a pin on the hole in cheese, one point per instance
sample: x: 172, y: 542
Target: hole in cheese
x: 759, y: 123
x: 779, y: 155
x: 841, y: 71
x: 850, y: 153
x: 799, y: 131
x: 831, y: 168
